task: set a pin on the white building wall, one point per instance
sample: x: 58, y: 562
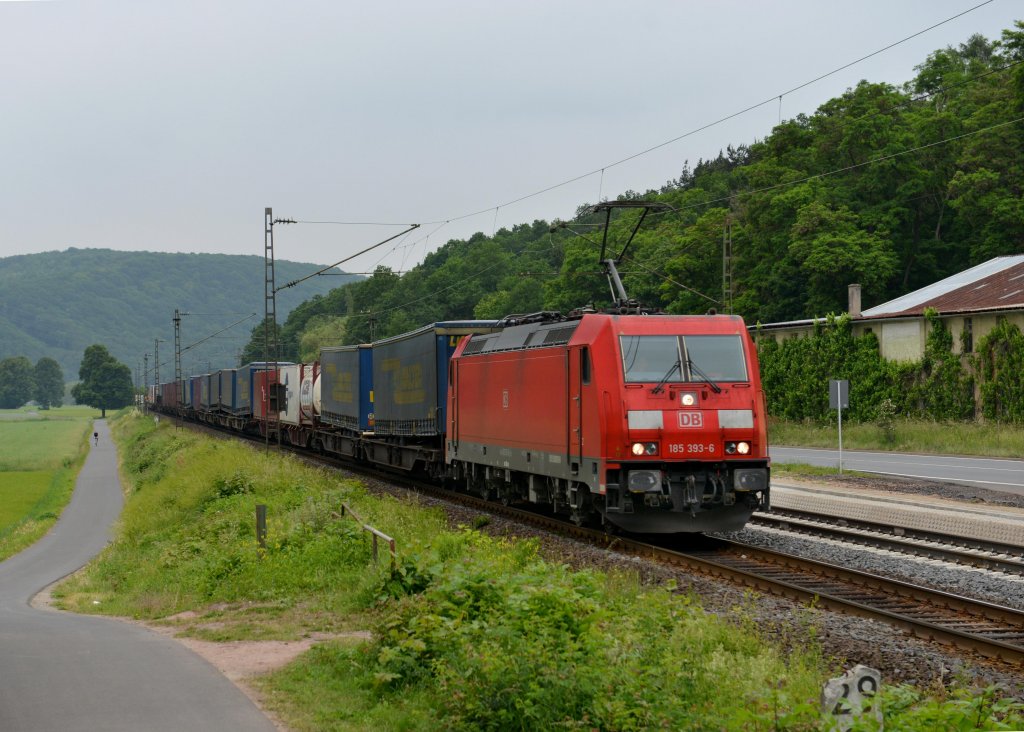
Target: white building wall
x: 902, y: 340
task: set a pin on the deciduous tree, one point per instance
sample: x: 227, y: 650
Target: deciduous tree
x: 105, y: 382
x: 49, y: 383
x: 15, y: 382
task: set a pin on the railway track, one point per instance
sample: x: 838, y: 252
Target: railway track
x: 990, y: 630
x: 993, y: 556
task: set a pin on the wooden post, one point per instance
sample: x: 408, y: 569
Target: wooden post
x: 261, y: 526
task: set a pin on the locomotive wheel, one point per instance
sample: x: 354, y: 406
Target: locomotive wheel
x: 505, y: 495
x: 479, y: 487
x: 609, y: 528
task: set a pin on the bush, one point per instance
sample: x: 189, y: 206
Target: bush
x: 508, y: 641
x: 887, y: 421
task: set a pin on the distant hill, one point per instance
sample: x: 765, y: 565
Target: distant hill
x: 57, y: 303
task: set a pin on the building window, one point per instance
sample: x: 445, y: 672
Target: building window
x: 967, y: 337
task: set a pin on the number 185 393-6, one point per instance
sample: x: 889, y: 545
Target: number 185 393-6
x: 691, y: 448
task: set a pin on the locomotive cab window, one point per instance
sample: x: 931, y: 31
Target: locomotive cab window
x: 720, y: 357
x: 648, y: 358
x: 683, y: 358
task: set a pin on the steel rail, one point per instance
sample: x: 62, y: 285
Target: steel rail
x: 994, y: 631
x: 932, y: 545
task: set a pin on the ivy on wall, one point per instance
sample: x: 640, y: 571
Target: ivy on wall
x: 999, y: 364
x: 943, y: 389
x: 795, y: 374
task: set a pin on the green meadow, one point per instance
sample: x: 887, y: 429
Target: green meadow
x: 40, y: 455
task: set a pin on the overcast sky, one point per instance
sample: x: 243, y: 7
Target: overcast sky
x: 171, y: 125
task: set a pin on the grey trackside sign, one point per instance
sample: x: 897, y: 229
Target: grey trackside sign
x: 839, y: 394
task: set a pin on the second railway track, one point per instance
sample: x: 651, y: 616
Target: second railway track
x: 988, y: 555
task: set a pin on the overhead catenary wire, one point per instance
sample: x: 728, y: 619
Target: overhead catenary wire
x: 855, y: 166
x: 399, y: 245
x: 719, y: 121
x: 350, y: 223
x: 214, y: 335
x: 435, y: 293
x: 868, y: 116
x: 342, y: 261
x: 601, y: 170
x: 942, y: 89
x: 907, y: 102
x: 670, y: 280
x: 202, y: 340
x: 764, y: 189
x: 873, y: 161
x: 646, y: 268
x: 444, y: 222
x: 392, y: 250
x: 424, y: 238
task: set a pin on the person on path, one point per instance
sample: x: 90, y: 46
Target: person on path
x: 96, y: 438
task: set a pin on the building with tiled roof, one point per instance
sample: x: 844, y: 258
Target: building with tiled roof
x: 969, y: 302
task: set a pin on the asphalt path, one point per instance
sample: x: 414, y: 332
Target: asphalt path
x: 996, y: 474
x: 60, y: 671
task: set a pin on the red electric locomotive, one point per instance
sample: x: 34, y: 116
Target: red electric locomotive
x: 655, y: 423
x: 652, y: 423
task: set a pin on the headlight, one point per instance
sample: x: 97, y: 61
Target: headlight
x: 688, y: 398
x: 644, y: 448
x: 743, y: 448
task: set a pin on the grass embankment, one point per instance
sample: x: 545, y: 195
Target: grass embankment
x: 469, y: 632
x: 942, y: 438
x: 40, y: 456
x: 914, y: 436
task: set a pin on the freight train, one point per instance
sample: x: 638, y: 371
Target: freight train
x: 644, y: 423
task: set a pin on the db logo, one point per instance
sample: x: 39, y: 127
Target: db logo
x: 691, y: 419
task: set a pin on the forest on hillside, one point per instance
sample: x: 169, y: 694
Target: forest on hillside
x: 56, y: 304
x: 890, y: 187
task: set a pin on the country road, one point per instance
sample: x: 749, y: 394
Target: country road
x: 998, y: 474
x: 61, y: 671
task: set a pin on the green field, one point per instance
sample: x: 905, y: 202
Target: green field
x: 40, y: 455
x: 41, y: 442
x: 19, y: 494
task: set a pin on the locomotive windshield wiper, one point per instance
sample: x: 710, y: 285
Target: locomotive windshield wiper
x: 694, y: 367
x: 664, y: 379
